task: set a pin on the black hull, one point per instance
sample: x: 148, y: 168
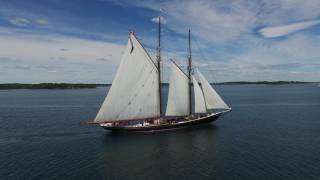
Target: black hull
x: 163, y: 127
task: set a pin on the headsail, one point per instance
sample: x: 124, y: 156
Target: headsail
x: 134, y: 91
x: 199, y: 102
x: 178, y: 98
x: 212, y: 98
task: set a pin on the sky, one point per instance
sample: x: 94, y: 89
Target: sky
x: 81, y: 41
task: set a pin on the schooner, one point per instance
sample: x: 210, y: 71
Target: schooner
x: 134, y: 101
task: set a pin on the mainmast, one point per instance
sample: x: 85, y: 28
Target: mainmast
x: 159, y: 65
x: 189, y: 72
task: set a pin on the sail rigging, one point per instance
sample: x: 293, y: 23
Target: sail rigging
x: 178, y: 98
x: 212, y: 98
x: 135, y: 89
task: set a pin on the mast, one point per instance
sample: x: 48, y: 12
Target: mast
x: 159, y: 65
x: 189, y: 72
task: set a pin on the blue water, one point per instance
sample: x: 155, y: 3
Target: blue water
x: 273, y: 132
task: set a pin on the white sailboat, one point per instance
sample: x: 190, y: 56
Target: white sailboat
x: 134, y: 100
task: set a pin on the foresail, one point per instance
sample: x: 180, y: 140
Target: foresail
x: 134, y: 90
x: 178, y: 98
x: 199, y: 102
x: 212, y: 98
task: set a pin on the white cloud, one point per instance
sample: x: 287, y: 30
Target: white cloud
x: 43, y: 47
x: 41, y: 21
x: 34, y: 53
x: 23, y: 22
x: 162, y: 19
x: 295, y: 58
x: 278, y: 31
x: 213, y: 21
x: 20, y: 21
x: 221, y: 24
x: 208, y: 21
x: 226, y: 21
x: 275, y: 12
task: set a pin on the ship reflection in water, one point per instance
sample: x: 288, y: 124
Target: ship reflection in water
x: 180, y: 154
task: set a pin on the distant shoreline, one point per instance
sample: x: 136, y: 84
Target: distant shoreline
x: 46, y: 86
x: 264, y: 82
x: 84, y: 86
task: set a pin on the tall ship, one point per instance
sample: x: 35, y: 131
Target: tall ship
x: 134, y: 101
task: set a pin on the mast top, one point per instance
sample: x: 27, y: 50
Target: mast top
x: 132, y: 33
x: 159, y: 39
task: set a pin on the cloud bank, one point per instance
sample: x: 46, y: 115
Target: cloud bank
x: 52, y: 58
x: 279, y: 31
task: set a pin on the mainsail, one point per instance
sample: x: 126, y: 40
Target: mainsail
x: 135, y: 89
x: 199, y: 101
x: 178, y: 98
x: 212, y: 98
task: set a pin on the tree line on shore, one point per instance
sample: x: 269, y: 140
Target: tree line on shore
x: 82, y: 85
x: 46, y: 86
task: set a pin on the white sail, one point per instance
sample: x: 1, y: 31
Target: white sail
x: 178, y: 98
x: 134, y: 92
x: 199, y: 102
x: 212, y: 98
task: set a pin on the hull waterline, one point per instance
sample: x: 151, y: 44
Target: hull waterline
x: 164, y: 127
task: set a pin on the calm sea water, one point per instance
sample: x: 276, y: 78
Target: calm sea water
x: 273, y: 132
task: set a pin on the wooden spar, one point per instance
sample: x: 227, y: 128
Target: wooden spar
x: 159, y: 65
x: 178, y: 67
x: 189, y: 73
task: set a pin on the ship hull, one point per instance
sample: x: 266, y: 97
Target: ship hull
x: 164, y: 127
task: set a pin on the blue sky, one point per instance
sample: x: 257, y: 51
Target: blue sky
x: 82, y: 40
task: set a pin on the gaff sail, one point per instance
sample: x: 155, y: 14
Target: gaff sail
x: 178, y: 98
x: 199, y: 101
x: 134, y: 93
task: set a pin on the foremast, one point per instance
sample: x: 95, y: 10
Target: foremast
x: 159, y: 65
x: 189, y: 73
